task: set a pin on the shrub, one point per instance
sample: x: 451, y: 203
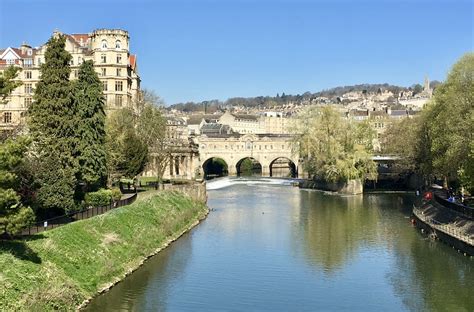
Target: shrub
x: 100, y: 198
x: 116, y: 194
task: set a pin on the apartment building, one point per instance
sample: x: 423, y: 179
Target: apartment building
x: 108, y: 48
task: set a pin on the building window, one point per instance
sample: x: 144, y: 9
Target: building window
x: 28, y: 62
x: 79, y: 60
x: 103, y: 71
x: 119, y: 58
x: 10, y: 62
x: 104, y: 85
x: 118, y: 44
x: 71, y: 62
x: 104, y: 44
x: 28, y: 74
x: 28, y: 88
x: 118, y: 86
x: 75, y: 73
x: 119, y: 72
x: 39, y: 60
x: 7, y: 117
x: 118, y: 100
x: 28, y: 101
x: 103, y: 58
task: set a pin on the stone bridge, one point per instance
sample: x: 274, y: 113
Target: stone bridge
x: 273, y: 152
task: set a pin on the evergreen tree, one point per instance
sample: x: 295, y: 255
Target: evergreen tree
x: 53, y: 117
x: 8, y: 82
x: 13, y: 216
x: 91, y: 153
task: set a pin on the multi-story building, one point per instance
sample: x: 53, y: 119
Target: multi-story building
x: 108, y: 48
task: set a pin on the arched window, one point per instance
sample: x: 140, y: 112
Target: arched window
x: 104, y: 44
x: 117, y: 44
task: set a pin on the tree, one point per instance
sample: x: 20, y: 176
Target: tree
x: 417, y: 88
x: 335, y: 149
x: 90, y: 128
x: 450, y: 123
x: 52, y: 124
x: 127, y: 154
x: 151, y: 128
x: 8, y: 82
x: 440, y: 141
x: 13, y: 215
x: 135, y: 154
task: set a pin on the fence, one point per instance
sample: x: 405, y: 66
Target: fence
x: 449, y: 229
x: 52, y: 223
x: 463, y: 209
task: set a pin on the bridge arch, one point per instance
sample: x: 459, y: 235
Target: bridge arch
x: 248, y: 166
x: 215, y: 167
x: 283, y: 167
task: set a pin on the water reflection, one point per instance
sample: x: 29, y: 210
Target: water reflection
x: 334, y: 227
x: 136, y: 292
x: 279, y: 248
x: 431, y: 276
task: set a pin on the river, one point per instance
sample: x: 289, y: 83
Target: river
x: 268, y: 246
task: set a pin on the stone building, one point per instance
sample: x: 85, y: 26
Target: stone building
x: 108, y: 48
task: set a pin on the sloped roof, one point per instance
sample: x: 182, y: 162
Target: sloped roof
x: 398, y: 112
x: 81, y: 39
x: 132, y: 60
x: 246, y: 117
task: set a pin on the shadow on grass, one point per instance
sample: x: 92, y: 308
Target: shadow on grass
x: 20, y: 249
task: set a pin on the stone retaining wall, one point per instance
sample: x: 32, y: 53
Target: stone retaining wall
x: 196, y: 190
x: 351, y: 187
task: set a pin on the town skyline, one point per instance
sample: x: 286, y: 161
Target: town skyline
x: 241, y: 49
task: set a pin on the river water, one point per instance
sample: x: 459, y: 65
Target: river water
x: 268, y: 246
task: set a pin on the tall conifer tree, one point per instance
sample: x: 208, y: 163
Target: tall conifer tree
x: 52, y: 126
x: 90, y: 128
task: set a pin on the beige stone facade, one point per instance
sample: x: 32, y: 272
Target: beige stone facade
x: 108, y: 48
x: 265, y: 149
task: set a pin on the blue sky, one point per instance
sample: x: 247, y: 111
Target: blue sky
x: 202, y: 50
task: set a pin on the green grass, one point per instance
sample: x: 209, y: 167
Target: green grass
x: 60, y: 268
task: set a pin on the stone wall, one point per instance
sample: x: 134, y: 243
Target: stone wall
x: 195, y: 190
x: 350, y: 187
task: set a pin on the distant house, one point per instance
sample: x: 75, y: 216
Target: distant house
x: 398, y: 113
x: 359, y: 114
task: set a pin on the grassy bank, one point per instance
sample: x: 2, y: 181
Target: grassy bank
x: 59, y: 269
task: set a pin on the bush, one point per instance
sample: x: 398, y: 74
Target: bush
x: 100, y: 198
x: 116, y: 194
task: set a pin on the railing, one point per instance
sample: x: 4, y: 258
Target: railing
x: 463, y: 209
x: 448, y: 229
x: 52, y: 223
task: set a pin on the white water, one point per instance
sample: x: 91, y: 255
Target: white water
x: 220, y: 183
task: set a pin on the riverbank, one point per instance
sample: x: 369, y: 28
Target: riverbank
x: 62, y: 268
x: 446, y: 224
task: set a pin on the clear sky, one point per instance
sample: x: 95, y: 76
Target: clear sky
x: 198, y: 50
